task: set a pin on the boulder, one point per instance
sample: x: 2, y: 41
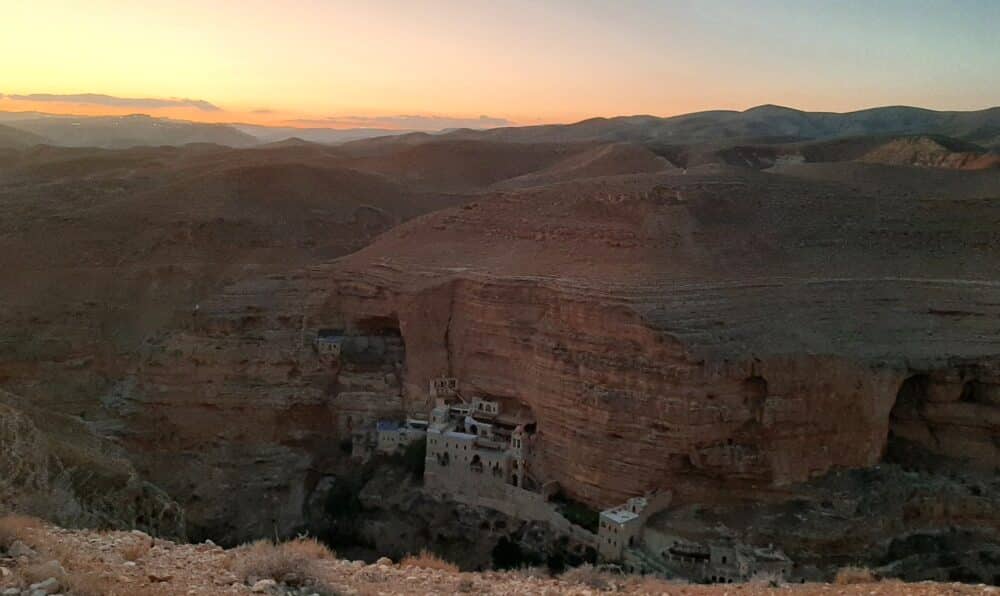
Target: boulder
x: 49, y: 586
x: 20, y: 549
x: 263, y: 586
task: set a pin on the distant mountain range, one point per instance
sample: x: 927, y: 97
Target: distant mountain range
x: 120, y: 132
x: 760, y: 125
x: 326, y: 136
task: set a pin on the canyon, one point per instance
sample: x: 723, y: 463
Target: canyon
x: 734, y: 331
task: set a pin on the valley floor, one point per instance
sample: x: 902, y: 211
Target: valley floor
x: 57, y: 560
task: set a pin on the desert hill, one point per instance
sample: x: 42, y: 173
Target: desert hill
x: 101, y: 248
x: 928, y: 151
x: 613, y: 159
x: 12, y: 138
x: 935, y: 152
x: 465, y: 165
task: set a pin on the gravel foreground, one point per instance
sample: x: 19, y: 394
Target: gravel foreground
x: 44, y: 560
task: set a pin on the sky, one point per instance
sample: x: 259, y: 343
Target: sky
x: 419, y: 64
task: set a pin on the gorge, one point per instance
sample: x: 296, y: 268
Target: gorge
x: 748, y: 339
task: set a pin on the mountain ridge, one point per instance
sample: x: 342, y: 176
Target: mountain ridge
x: 764, y: 121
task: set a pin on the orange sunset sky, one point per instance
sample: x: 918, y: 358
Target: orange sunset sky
x: 423, y: 64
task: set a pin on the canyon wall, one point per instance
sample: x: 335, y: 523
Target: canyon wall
x: 621, y: 408
x: 240, y: 413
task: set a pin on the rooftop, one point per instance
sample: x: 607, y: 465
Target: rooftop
x: 454, y: 434
x: 387, y: 425
x: 619, y: 516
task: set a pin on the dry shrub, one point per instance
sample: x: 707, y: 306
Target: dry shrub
x: 589, y: 576
x: 40, y: 572
x: 428, y: 560
x: 16, y: 527
x: 854, y: 575
x: 293, y: 563
x: 90, y: 583
x: 533, y: 572
x: 648, y: 584
x: 466, y: 585
x: 135, y: 550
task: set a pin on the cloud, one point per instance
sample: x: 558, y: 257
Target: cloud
x: 117, y: 102
x: 403, y: 122
x: 263, y: 111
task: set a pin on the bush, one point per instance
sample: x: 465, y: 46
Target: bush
x: 577, y: 513
x: 294, y: 563
x: 16, y: 527
x: 508, y: 554
x: 589, y: 576
x: 854, y: 575
x: 428, y: 560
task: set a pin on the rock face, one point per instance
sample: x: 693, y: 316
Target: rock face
x: 954, y: 412
x: 931, y: 152
x: 914, y: 526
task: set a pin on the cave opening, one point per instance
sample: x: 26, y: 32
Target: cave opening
x: 973, y: 392
x: 380, y: 326
x: 373, y: 344
x: 907, y: 429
